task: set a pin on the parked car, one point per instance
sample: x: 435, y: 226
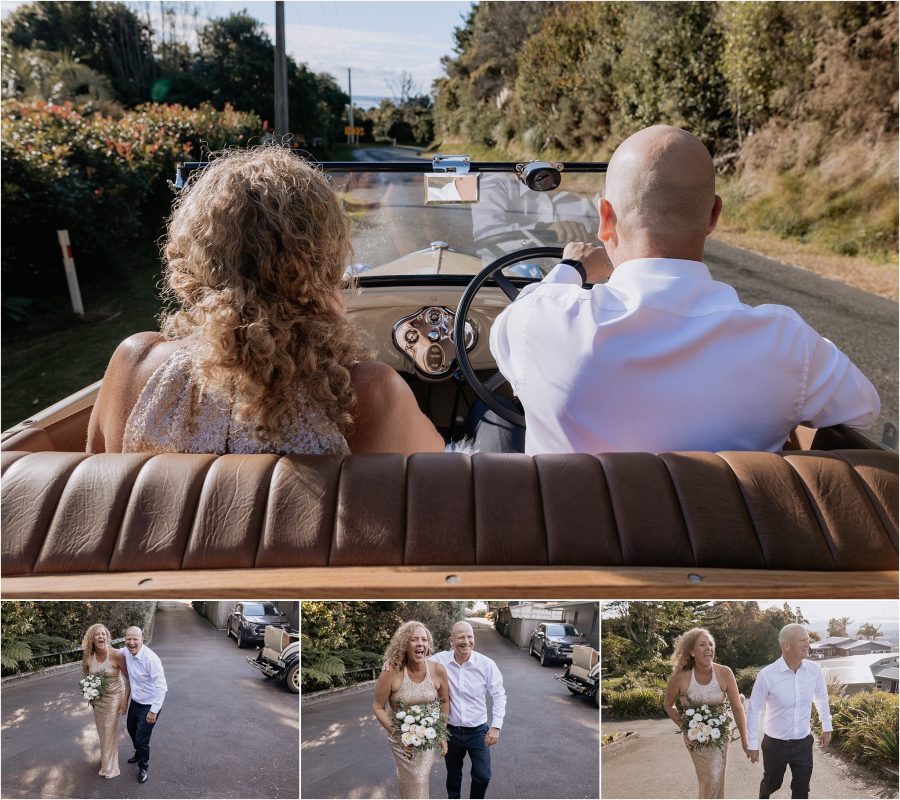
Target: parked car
x: 248, y: 621
x: 818, y: 518
x: 279, y: 656
x: 582, y: 675
x: 553, y: 642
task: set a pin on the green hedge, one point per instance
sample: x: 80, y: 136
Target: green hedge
x: 745, y: 678
x: 645, y: 701
x: 102, y: 177
x: 865, y: 727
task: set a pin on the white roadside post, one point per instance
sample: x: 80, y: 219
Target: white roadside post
x: 71, y: 276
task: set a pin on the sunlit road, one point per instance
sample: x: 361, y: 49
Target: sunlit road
x: 863, y: 325
x: 548, y: 746
x: 224, y: 731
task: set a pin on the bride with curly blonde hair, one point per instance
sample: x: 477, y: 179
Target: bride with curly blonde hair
x: 101, y: 658
x: 408, y: 677
x: 258, y: 355
x: 697, y: 681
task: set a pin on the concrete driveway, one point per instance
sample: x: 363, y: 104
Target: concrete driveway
x: 224, y: 731
x: 656, y: 764
x: 548, y: 746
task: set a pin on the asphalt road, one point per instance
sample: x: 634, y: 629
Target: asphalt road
x: 548, y: 745
x: 863, y: 325
x: 224, y: 731
x: 656, y: 764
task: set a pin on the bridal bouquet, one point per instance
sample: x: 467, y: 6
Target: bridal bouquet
x: 708, y: 725
x: 420, y: 725
x: 94, y: 687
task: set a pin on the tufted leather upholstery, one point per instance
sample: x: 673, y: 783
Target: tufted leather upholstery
x: 74, y: 513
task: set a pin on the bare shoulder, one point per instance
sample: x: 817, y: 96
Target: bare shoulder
x: 438, y: 668
x: 723, y: 671
x: 372, y: 379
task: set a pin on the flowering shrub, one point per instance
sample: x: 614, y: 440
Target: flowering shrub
x: 102, y: 177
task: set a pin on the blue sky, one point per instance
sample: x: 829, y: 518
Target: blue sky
x: 378, y: 40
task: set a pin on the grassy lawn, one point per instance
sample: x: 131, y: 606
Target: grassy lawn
x: 55, y: 354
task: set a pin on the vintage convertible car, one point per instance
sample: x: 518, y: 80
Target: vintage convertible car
x: 436, y: 258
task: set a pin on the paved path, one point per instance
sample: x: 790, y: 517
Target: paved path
x: 224, y: 730
x: 656, y: 764
x: 548, y: 747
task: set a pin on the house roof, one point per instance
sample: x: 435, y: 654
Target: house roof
x: 889, y: 673
x: 832, y: 640
x: 854, y: 670
x: 884, y: 646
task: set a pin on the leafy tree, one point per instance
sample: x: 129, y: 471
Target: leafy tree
x: 746, y: 635
x: 870, y: 631
x: 837, y: 626
x: 107, y: 37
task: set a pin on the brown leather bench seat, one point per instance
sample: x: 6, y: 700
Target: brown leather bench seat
x: 732, y: 524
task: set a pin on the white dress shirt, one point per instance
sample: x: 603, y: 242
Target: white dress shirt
x: 787, y: 697
x: 663, y: 358
x: 470, y: 682
x: 148, y: 681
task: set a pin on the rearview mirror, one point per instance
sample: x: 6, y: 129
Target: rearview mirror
x: 442, y: 188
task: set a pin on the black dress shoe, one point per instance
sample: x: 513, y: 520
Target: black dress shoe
x: 143, y: 777
x: 133, y: 759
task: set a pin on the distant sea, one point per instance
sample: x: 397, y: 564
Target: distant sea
x: 367, y: 100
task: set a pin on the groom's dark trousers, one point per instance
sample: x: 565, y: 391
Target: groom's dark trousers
x: 140, y: 730
x: 777, y: 754
x: 471, y: 741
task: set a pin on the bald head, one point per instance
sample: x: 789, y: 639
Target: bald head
x: 462, y: 640
x: 660, y: 185
x: 794, y: 641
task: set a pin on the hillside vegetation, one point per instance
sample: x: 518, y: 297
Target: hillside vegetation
x: 796, y: 101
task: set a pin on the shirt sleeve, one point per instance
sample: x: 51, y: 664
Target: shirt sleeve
x: 836, y: 391
x: 754, y: 709
x: 158, y: 682
x: 508, y: 333
x: 498, y: 695
x: 820, y: 698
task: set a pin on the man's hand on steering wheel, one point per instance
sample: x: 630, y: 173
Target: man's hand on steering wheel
x: 596, y: 263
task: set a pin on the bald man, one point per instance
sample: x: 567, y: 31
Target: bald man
x: 661, y: 357
x: 787, y: 690
x: 472, y: 677
x: 148, y: 691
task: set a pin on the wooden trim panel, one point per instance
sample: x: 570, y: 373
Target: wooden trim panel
x: 458, y: 583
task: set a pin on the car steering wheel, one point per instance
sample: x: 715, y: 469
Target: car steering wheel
x: 493, y: 271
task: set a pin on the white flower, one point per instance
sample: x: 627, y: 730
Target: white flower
x: 416, y: 709
x: 706, y: 730
x: 415, y: 741
x: 705, y: 708
x: 430, y: 734
x: 694, y: 723
x: 404, y: 727
x: 420, y: 731
x: 692, y: 734
x: 716, y: 733
x: 702, y: 738
x: 407, y: 738
x: 427, y: 721
x: 690, y: 712
x: 400, y: 714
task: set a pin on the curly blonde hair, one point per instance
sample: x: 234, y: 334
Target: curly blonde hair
x: 87, y: 642
x: 254, y: 253
x: 395, y: 656
x: 681, y: 657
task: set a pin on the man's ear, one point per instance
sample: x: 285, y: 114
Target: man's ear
x: 607, y: 230
x: 714, y: 216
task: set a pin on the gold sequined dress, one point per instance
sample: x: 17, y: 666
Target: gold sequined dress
x: 413, y: 772
x: 172, y: 415
x: 710, y: 763
x: 106, y: 719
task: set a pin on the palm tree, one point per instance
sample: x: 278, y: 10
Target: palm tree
x: 869, y: 631
x: 52, y: 76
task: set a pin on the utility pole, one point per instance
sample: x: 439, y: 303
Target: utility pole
x: 281, y: 97
x: 351, y: 139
